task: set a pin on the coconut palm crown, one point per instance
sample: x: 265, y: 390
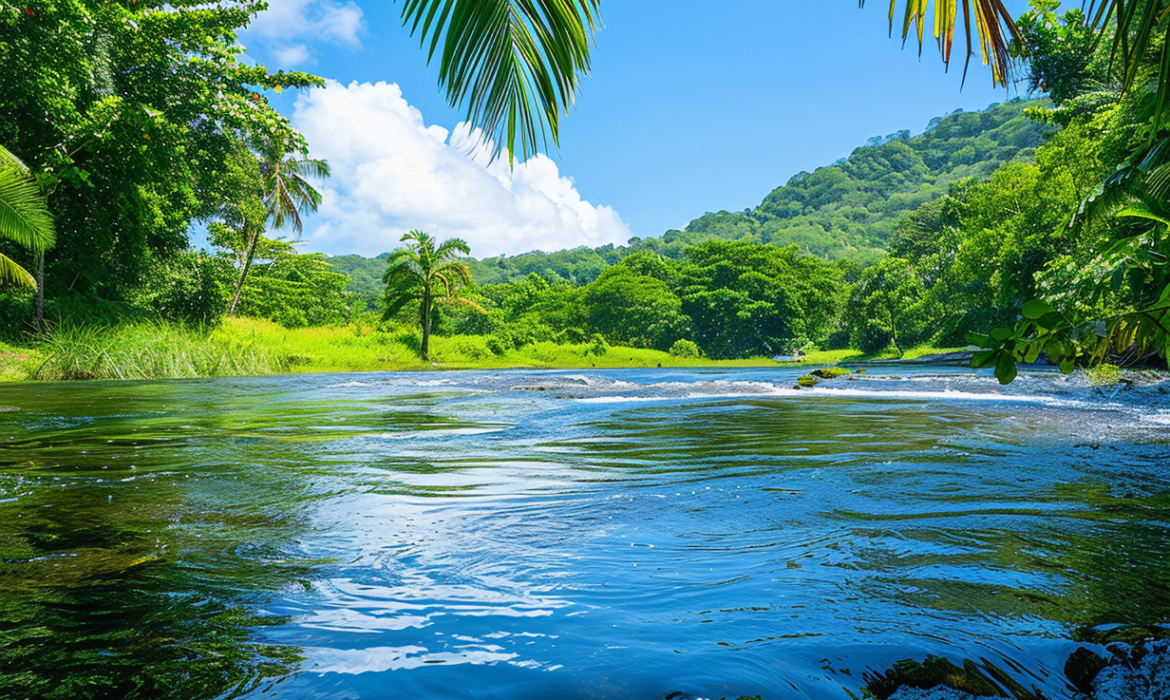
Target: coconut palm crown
x: 425, y: 272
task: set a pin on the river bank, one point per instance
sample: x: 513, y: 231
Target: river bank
x: 243, y: 347
x: 250, y: 347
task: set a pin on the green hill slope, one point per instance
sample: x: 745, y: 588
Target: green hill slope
x: 844, y: 210
x: 850, y: 208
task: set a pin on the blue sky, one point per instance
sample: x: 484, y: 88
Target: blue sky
x: 687, y: 109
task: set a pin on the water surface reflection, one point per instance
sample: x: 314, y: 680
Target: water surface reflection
x: 533, y: 534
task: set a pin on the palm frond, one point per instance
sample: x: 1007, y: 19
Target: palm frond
x: 993, y: 22
x: 11, y: 272
x: 1135, y: 26
x: 516, y: 64
x: 24, y: 215
x: 1143, y: 211
x: 447, y: 250
x: 307, y: 167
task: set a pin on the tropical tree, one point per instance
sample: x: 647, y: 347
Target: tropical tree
x: 425, y: 272
x: 286, y: 193
x: 24, y: 217
x: 884, y: 305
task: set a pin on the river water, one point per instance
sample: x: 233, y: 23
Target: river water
x: 617, y: 534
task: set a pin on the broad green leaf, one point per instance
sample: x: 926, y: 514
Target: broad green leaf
x: 1036, y: 309
x: 1033, y: 353
x: 1005, y: 369
x: 985, y: 358
x: 982, y: 339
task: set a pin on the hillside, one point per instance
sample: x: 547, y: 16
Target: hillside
x: 850, y: 208
x: 844, y: 210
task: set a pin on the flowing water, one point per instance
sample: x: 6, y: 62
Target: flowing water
x: 624, y: 534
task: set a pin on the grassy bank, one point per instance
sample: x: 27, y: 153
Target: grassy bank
x: 248, y: 347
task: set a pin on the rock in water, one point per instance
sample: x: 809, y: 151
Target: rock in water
x: 1143, y: 675
x: 940, y: 693
x: 1082, y: 668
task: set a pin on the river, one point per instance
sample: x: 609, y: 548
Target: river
x: 597, y: 534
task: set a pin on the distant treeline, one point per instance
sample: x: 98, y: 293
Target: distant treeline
x: 846, y: 210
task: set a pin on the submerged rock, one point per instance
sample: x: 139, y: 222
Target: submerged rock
x: 938, y: 678
x: 1082, y: 668
x: 1141, y: 674
x: 941, y: 692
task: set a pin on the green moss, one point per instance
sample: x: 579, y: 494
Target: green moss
x: 830, y: 372
x: 1104, y: 375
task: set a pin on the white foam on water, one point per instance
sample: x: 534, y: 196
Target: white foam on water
x: 946, y: 394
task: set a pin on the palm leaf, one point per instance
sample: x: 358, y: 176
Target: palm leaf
x: 516, y: 64
x: 993, y: 22
x: 24, y: 215
x: 11, y: 272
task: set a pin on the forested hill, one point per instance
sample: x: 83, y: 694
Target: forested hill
x: 848, y: 209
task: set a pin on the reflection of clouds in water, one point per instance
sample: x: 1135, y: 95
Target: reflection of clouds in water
x: 382, y: 659
x: 357, y: 607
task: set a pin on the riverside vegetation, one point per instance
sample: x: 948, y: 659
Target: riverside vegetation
x: 1034, y: 226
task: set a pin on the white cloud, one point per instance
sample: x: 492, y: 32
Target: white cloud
x: 393, y: 173
x: 287, y: 28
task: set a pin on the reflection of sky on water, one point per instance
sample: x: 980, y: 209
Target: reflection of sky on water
x: 623, y: 534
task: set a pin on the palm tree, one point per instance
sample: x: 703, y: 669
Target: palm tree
x: 287, y: 194
x: 517, y: 64
x: 24, y: 217
x: 422, y: 273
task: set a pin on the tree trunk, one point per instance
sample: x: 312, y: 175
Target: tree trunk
x: 426, y: 326
x: 39, y: 304
x: 252, y: 240
x: 894, y: 331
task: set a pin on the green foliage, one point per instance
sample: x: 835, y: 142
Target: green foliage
x: 287, y: 287
x: 187, y: 286
x: 515, y: 65
x: 685, y: 348
x: 150, y: 351
x: 634, y: 309
x: 597, y: 345
x: 1060, y: 50
x: 851, y: 209
x: 132, y: 116
x: 423, y: 273
x: 884, y: 307
x: 24, y: 217
x: 1104, y: 375
x: 747, y: 299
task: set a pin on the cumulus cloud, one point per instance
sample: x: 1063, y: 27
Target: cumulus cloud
x: 288, y: 27
x: 393, y: 173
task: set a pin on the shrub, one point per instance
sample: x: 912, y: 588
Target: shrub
x: 1104, y: 375
x: 685, y: 348
x: 497, y: 346
x: 597, y: 345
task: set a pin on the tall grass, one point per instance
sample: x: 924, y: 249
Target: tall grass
x: 248, y: 347
x: 151, y: 350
